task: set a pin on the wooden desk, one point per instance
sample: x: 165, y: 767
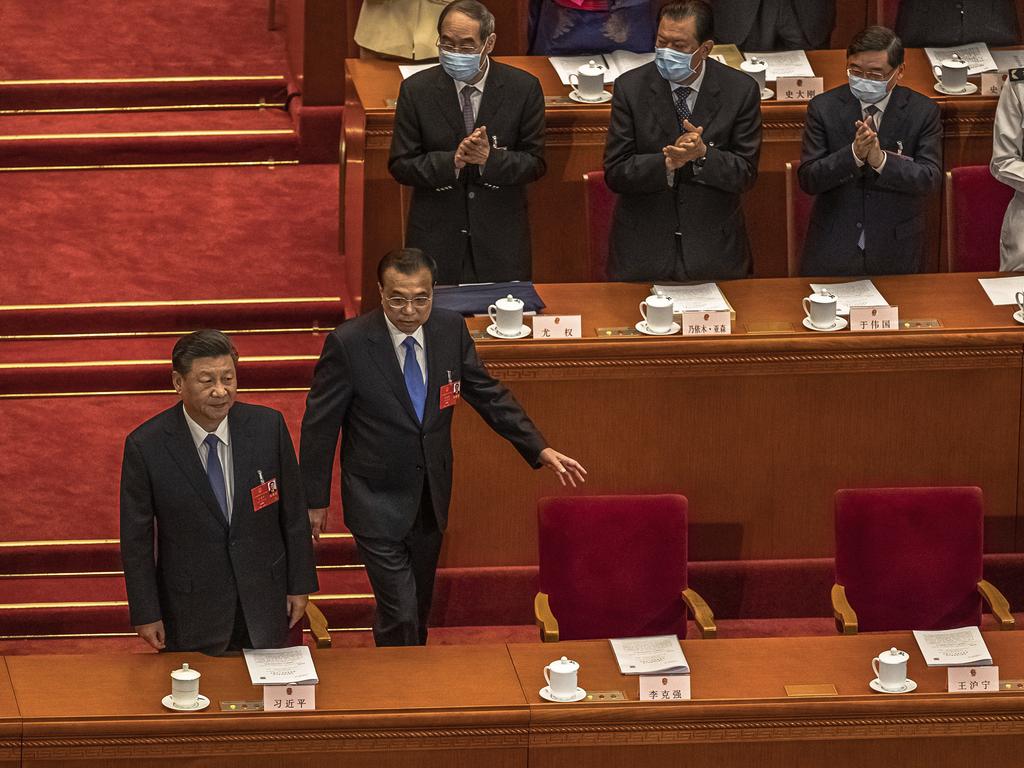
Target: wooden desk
x: 386, y: 707
x: 758, y: 430
x: 740, y: 714
x: 575, y: 145
x: 10, y: 722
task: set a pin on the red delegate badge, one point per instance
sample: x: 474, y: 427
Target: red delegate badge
x: 265, y: 494
x: 451, y: 393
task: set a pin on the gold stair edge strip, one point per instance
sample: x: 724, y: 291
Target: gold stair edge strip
x: 154, y: 108
x: 148, y: 166
x: 124, y: 603
x: 147, y: 134
x: 113, y: 392
x: 145, y: 334
x: 165, y: 79
x: 108, y: 363
x: 94, y: 635
x: 80, y: 542
x: 170, y: 303
x: 99, y: 574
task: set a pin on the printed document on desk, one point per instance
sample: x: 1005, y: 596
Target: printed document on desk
x: 408, y: 70
x: 659, y: 655
x: 699, y: 297
x: 963, y: 647
x: 281, y: 666
x: 859, y: 293
x: 615, y: 63
x: 977, y: 55
x: 783, y: 64
x: 1002, y: 291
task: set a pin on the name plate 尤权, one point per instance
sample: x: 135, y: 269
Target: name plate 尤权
x: 798, y: 88
x: 558, y: 327
x: 868, y: 319
x: 707, y: 323
x: 972, y: 679
x: 664, y: 687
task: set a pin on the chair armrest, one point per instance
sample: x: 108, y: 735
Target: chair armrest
x: 318, y: 626
x: 545, y: 619
x: 702, y: 614
x: 997, y: 604
x: 846, y: 617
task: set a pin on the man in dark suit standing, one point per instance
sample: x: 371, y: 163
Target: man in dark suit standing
x: 232, y: 566
x: 389, y: 380
x: 774, y: 25
x: 682, y: 147
x: 942, y: 23
x: 872, y: 153
x: 468, y: 138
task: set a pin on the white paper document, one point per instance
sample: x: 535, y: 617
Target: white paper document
x: 408, y: 70
x: 1002, y: 291
x: 615, y: 63
x: 700, y: 297
x: 859, y: 293
x: 964, y: 647
x: 281, y: 666
x: 660, y: 655
x: 783, y: 64
x: 977, y: 56
x: 1007, y: 60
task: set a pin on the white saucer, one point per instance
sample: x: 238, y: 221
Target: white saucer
x: 545, y: 693
x: 908, y: 686
x: 642, y: 327
x: 201, y: 703
x: 967, y: 91
x: 838, y: 325
x: 492, y: 330
x: 767, y: 93
x: 604, y: 97
x: 1019, y: 316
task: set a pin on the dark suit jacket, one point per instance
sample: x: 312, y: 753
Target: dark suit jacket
x: 386, y: 454
x: 201, y: 567
x: 891, y: 206
x: 487, y: 203
x: 923, y: 23
x: 765, y: 25
x: 704, y: 207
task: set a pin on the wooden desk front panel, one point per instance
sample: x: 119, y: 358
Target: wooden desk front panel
x: 757, y: 431
x: 10, y: 722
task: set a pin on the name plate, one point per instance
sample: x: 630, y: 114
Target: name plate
x: 869, y: 319
x: 798, y: 88
x: 973, y: 679
x: 992, y: 83
x: 558, y: 327
x: 289, y: 698
x: 664, y: 687
x: 707, y: 323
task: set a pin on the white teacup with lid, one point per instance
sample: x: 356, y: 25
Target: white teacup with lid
x: 820, y: 309
x: 952, y: 73
x: 507, y: 315
x: 185, y: 687
x: 758, y: 70
x: 588, y: 81
x: 561, y: 676
x: 890, y: 669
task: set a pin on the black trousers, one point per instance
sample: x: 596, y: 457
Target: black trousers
x: 402, y: 575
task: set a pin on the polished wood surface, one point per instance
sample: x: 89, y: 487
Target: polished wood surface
x: 575, y: 145
x: 479, y: 706
x: 758, y: 429
x: 10, y: 721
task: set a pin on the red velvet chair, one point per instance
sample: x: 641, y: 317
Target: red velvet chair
x: 599, y: 202
x: 911, y: 558
x: 975, y: 206
x: 615, y: 566
x: 798, y: 214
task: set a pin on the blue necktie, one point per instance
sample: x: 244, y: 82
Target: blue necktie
x: 414, y: 377
x: 681, y: 94
x: 215, y: 474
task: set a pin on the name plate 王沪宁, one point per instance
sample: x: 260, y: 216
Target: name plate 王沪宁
x: 798, y: 88
x: 664, y: 688
x: 289, y: 698
x: 558, y: 326
x: 873, y: 319
x: 707, y: 323
x: 972, y: 679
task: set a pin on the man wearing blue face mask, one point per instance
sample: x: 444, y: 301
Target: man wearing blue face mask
x: 872, y: 154
x: 468, y: 138
x: 682, y: 147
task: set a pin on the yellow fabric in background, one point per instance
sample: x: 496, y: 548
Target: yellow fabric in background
x: 403, y: 28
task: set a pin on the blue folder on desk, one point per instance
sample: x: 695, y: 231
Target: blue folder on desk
x: 474, y: 299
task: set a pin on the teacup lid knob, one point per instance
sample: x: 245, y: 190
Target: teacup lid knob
x: 184, y: 666
x: 565, y: 659
x: 894, y: 651
x: 510, y: 297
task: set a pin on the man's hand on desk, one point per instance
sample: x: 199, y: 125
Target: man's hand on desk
x: 318, y: 521
x: 566, y: 468
x: 153, y: 634
x: 296, y: 608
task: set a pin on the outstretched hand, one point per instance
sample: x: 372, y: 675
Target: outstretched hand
x: 569, y: 471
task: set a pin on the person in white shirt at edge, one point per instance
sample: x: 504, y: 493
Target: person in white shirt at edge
x: 1008, y: 167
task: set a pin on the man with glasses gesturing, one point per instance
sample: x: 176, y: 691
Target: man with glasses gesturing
x: 872, y: 153
x: 468, y: 138
x: 388, y: 380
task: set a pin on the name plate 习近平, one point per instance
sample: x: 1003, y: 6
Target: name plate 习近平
x: 707, y: 323
x: 289, y: 698
x: 871, y: 319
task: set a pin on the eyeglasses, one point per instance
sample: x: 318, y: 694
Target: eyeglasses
x: 400, y: 302
x: 876, y: 76
x: 457, y: 48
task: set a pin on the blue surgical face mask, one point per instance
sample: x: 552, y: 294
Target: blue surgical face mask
x: 869, y: 91
x: 673, y: 65
x: 461, y: 66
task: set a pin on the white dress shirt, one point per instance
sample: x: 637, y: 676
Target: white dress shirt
x: 691, y: 101
x: 398, y: 339
x: 877, y: 120
x: 223, y: 453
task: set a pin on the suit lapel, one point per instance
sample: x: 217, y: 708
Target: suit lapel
x: 493, y: 95
x: 242, y: 443
x: 436, y: 377
x: 849, y: 113
x: 184, y: 453
x: 894, y: 119
x: 706, y: 106
x: 448, y: 103
x: 382, y: 352
x: 662, y: 107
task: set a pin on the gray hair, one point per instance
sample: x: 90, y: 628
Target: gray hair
x: 475, y: 10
